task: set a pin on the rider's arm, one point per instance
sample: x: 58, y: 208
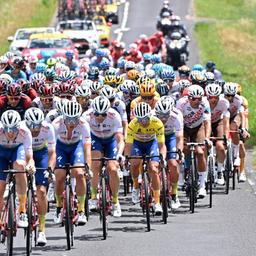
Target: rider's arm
x: 207, y: 125
x: 120, y: 143
x: 179, y: 140
x: 226, y: 126
x: 129, y: 139
x: 51, y: 158
x: 87, y: 153
x: 125, y: 126
x: 51, y: 147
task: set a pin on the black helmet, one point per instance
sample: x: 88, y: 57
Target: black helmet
x: 18, y: 61
x: 210, y: 66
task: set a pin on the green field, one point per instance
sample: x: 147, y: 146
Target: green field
x: 23, y: 13
x: 229, y: 38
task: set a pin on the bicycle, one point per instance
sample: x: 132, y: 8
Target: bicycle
x: 8, y: 217
x: 192, y: 179
x: 69, y: 211
x: 145, y: 188
x: 104, y: 202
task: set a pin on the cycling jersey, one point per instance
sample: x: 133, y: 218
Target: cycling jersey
x: 236, y: 106
x: 174, y: 123
x: 194, y: 117
x: 111, y: 125
x: 220, y: 111
x: 45, y: 138
x: 38, y: 104
x: 120, y: 107
x: 155, y: 129
x: 51, y: 115
x: 81, y: 131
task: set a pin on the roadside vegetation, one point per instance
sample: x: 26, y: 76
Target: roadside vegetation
x: 227, y: 35
x: 23, y: 13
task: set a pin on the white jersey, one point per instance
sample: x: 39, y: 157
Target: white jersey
x: 52, y: 114
x: 38, y: 103
x: 81, y: 131
x: 120, y: 107
x: 193, y: 117
x: 46, y: 138
x: 236, y: 106
x: 174, y: 92
x: 23, y: 137
x: 111, y: 125
x: 220, y: 111
x: 174, y: 124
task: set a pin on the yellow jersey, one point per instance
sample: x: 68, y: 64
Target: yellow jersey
x: 136, y: 131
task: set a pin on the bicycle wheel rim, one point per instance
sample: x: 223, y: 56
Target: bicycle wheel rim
x: 103, y: 208
x: 10, y: 225
x: 146, y: 195
x: 67, y: 217
x: 164, y: 196
x: 29, y: 228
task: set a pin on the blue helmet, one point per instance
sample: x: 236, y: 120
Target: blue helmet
x: 167, y: 74
x: 100, y: 52
x: 147, y: 56
x: 155, y: 58
x: 40, y: 67
x: 93, y: 73
x: 198, y: 67
x: 69, y: 54
x: 121, y: 63
x: 104, y: 64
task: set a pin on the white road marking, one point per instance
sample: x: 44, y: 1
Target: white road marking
x: 124, y: 21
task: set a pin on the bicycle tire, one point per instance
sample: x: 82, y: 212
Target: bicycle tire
x: 68, y: 221
x: 210, y: 178
x: 228, y: 168
x: 10, y: 225
x: 235, y: 169
x: 126, y: 184
x: 164, y: 196
x: 192, y: 188
x: 103, y: 208
x: 30, y: 223
x: 86, y: 204
x: 146, y: 197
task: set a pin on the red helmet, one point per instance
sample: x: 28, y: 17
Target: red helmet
x: 25, y: 85
x: 3, y: 85
x: 14, y: 89
x: 66, y: 88
x: 47, y: 90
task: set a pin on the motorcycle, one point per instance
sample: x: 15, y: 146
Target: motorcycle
x: 177, y: 53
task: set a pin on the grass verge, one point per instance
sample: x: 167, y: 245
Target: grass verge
x: 230, y: 40
x: 23, y: 13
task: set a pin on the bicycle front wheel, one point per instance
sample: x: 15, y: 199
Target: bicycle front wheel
x: 228, y: 168
x: 164, y: 196
x: 103, y: 208
x: 210, y: 178
x: 30, y: 223
x: 146, y: 198
x: 10, y: 225
x: 68, y: 216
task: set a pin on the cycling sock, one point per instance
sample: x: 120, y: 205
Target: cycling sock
x: 22, y: 201
x: 175, y: 188
x: 42, y: 223
x: 80, y: 204
x: 93, y: 193
x: 135, y: 183
x: 236, y: 150
x: 220, y: 166
x: 156, y: 194
x: 59, y: 201
x: 202, y: 179
x: 242, y: 164
x: 115, y: 198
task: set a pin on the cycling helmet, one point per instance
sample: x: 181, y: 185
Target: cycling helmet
x: 111, y: 72
x: 96, y: 86
x: 69, y: 54
x: 155, y: 58
x: 37, y: 80
x: 100, y: 104
x: 121, y: 63
x: 133, y: 74
x: 4, y: 60
x: 87, y: 83
x: 147, y: 88
x: 83, y: 91
x: 210, y: 66
x: 47, y: 90
x: 147, y: 56
x: 3, y: 85
x: 25, y: 84
x: 195, y: 91
x: 9, y: 55
x: 150, y: 73
x: 10, y: 119
x: 33, y: 116
x: 18, y: 61
x: 108, y: 92
x: 129, y: 65
x: 65, y: 75
x: 14, y: 89
x: 198, y: 67
x: 40, y: 67
x: 93, y: 73
x: 104, y: 64
x: 165, y: 105
x: 7, y: 78
x: 125, y: 86
x: 184, y: 70
x: 66, y: 88
x: 49, y: 73
x: 100, y: 52
x: 230, y: 89
x: 142, y: 110
x: 32, y: 59
x: 209, y: 76
x: 109, y: 79
x: 167, y: 74
x: 198, y: 78
x: 134, y: 89
x: 119, y: 79
x: 182, y: 84
x: 162, y: 88
x: 71, y: 109
x: 213, y: 90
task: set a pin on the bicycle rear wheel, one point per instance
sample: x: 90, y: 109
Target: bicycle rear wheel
x: 10, y: 225
x: 30, y: 223
x: 228, y: 168
x: 210, y: 178
x: 192, y: 192
x: 68, y: 217
x: 103, y: 208
x: 86, y: 205
x: 146, y: 198
x: 164, y: 196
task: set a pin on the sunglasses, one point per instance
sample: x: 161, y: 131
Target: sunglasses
x: 168, y: 80
x: 46, y: 99
x: 143, y: 120
x: 34, y: 126
x: 147, y: 97
x: 95, y: 93
x: 195, y: 99
x: 164, y: 116
x: 230, y: 96
x: 68, y: 97
x: 98, y: 114
x: 14, y: 98
x: 71, y: 120
x: 11, y: 130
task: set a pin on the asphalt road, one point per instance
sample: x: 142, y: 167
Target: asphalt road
x: 228, y: 229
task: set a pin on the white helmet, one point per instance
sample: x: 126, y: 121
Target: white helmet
x: 87, y: 83
x: 195, y: 91
x: 7, y: 78
x: 142, y: 110
x: 100, y: 104
x: 71, y: 109
x: 34, y: 116
x: 150, y: 73
x: 164, y: 105
x: 9, y: 55
x: 10, y: 119
x: 83, y: 91
x: 230, y: 89
x: 129, y: 65
x: 3, y: 60
x: 134, y: 89
x: 96, y: 86
x: 213, y: 90
x: 108, y: 92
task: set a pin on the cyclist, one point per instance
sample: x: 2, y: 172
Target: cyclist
x: 74, y: 147
x: 70, y: 62
x: 83, y: 94
x: 173, y: 129
x: 220, y: 124
x: 15, y: 146
x: 145, y: 136
x: 197, y: 127
x: 211, y: 67
x: 44, y: 154
x: 27, y: 89
x: 14, y: 99
x: 108, y: 141
x: 16, y: 69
